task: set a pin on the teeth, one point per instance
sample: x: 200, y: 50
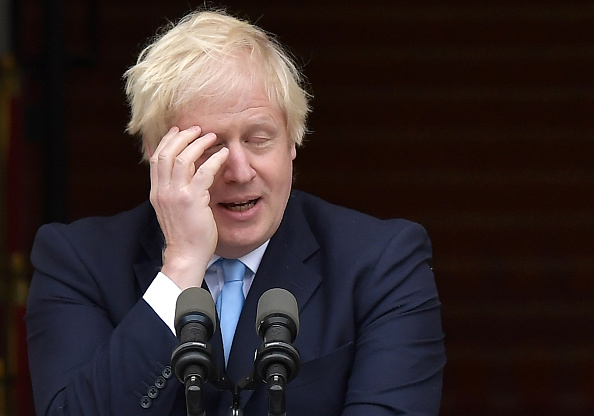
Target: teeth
x: 240, y: 206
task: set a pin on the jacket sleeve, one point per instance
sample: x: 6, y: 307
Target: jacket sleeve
x: 400, y: 356
x: 82, y: 361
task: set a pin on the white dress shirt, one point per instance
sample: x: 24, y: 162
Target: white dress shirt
x: 162, y: 293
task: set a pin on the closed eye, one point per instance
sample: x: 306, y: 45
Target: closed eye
x: 258, y: 140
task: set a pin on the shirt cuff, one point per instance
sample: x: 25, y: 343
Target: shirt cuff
x: 162, y: 296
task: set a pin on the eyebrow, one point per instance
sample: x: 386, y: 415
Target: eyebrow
x: 262, y: 121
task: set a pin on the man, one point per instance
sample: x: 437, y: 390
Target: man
x: 220, y: 110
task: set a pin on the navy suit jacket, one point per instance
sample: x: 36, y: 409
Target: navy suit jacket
x: 370, y: 339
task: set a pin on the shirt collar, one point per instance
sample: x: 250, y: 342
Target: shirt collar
x: 252, y: 259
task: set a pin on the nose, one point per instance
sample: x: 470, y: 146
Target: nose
x: 237, y: 167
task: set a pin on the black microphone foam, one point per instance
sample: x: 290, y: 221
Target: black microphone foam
x: 194, y: 304
x: 277, y: 302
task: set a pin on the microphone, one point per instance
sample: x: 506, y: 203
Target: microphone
x: 192, y: 360
x: 277, y: 361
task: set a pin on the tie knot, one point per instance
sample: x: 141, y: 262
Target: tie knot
x: 233, y: 270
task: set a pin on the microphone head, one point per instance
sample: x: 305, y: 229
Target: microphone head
x: 277, y: 302
x: 195, y: 301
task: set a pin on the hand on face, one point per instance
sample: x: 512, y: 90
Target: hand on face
x: 180, y: 196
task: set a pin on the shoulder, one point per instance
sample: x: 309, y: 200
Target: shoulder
x: 96, y: 235
x: 345, y: 226
x: 130, y: 222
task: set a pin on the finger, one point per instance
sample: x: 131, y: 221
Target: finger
x: 166, y: 139
x: 154, y: 158
x: 185, y: 162
x: 205, y: 174
x: 164, y: 157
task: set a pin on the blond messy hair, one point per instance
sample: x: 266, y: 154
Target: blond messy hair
x: 202, y: 60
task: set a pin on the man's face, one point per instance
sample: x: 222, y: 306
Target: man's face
x: 251, y: 190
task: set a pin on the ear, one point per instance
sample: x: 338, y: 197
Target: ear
x: 293, y: 151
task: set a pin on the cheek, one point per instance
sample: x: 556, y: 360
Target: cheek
x: 283, y: 180
x: 280, y: 172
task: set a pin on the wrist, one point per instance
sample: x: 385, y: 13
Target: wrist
x: 185, y: 271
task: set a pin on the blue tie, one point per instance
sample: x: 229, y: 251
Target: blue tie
x: 230, y: 300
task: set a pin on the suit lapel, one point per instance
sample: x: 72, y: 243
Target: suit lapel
x: 283, y: 266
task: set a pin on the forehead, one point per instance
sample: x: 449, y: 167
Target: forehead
x: 248, y: 102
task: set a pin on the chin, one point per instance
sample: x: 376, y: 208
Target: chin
x: 237, y: 240
x: 237, y: 247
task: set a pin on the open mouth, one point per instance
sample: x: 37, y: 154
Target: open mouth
x: 240, y: 206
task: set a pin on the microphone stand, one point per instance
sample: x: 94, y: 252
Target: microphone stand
x: 236, y: 409
x: 192, y: 363
x: 276, y: 396
x: 249, y: 382
x: 277, y: 363
x: 194, y: 405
